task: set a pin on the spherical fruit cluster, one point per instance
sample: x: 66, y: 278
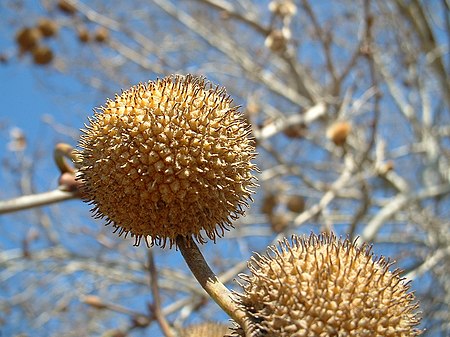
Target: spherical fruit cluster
x: 168, y: 158
x: 321, y: 286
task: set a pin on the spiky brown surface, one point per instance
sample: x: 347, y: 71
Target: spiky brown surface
x: 323, y: 286
x: 167, y: 158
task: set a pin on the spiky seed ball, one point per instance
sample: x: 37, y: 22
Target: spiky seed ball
x: 338, y: 132
x: 47, y: 27
x: 167, y: 158
x: 205, y: 329
x: 42, y: 55
x: 323, y: 286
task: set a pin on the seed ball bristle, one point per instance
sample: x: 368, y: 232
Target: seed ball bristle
x: 168, y: 158
x: 205, y: 329
x: 323, y: 286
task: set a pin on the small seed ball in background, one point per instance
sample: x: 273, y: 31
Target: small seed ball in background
x: 66, y: 7
x: 296, y: 131
x: 279, y: 222
x: 101, y: 34
x: 47, y: 27
x: 338, y: 132
x: 83, y: 34
x: 28, y: 38
x: 295, y: 203
x: 324, y: 286
x: 42, y: 55
x: 168, y: 158
x: 269, y: 203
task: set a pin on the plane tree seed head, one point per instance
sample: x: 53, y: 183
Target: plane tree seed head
x: 166, y: 158
x: 323, y: 286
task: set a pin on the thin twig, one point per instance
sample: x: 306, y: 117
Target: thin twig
x: 36, y: 200
x: 156, y: 307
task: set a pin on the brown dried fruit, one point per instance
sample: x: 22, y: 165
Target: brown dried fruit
x: 324, y: 286
x: 28, y: 38
x: 83, y: 34
x: 295, y: 203
x: 168, y: 158
x: 269, y: 203
x: 279, y: 222
x: 47, y: 27
x: 295, y: 131
x: 338, y: 132
x: 66, y: 7
x: 101, y: 34
x: 42, y: 55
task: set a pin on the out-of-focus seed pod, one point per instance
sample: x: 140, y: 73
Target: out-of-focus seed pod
x: 295, y: 203
x: 28, y: 38
x: 66, y: 7
x: 295, y: 131
x: 338, y: 132
x: 3, y: 58
x: 269, y: 202
x: 277, y: 40
x: 101, y: 34
x: 324, y: 286
x: 47, y: 27
x: 83, y: 34
x: 279, y: 222
x: 42, y: 55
